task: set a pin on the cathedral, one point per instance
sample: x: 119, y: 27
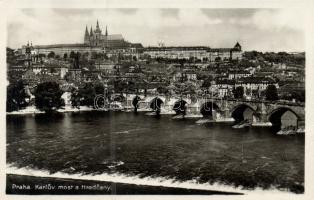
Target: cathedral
x: 95, y: 38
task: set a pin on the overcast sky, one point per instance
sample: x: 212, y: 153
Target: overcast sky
x: 255, y: 29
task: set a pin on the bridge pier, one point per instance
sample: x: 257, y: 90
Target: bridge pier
x: 263, y: 113
x: 301, y: 124
x: 226, y: 110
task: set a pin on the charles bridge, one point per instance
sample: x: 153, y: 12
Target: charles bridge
x: 258, y: 112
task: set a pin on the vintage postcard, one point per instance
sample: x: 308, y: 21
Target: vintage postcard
x: 155, y: 100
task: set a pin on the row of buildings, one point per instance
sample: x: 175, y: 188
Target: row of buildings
x: 96, y: 41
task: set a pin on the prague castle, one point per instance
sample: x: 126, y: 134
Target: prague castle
x: 96, y: 41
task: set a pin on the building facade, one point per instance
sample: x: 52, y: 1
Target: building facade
x: 201, y: 52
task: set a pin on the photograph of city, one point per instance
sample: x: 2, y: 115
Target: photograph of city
x: 155, y: 101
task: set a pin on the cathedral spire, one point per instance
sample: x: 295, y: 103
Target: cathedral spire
x: 97, y: 25
x: 98, y: 31
x: 91, y: 31
x: 86, y: 32
x: 86, y: 36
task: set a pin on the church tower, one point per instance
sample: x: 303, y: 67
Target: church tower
x: 238, y: 47
x: 86, y: 36
x: 97, y: 35
x: 28, y: 55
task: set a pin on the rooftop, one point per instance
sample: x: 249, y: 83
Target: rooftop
x: 255, y: 79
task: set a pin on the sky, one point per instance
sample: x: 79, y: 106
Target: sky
x: 255, y: 29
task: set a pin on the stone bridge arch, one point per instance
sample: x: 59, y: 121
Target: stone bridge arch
x: 155, y: 103
x: 180, y: 106
x: 284, y: 116
x: 243, y: 111
x: 208, y: 107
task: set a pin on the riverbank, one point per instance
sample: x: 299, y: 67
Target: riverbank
x: 21, y: 184
x: 33, y: 110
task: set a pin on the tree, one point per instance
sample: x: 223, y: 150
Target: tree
x: 53, y: 70
x: 218, y: 59
x: 271, y: 93
x: 16, y: 96
x: 120, y: 86
x: 202, y: 75
x: 86, y: 95
x: 76, y: 61
x: 75, y: 98
x: 162, y: 90
x: 48, y: 96
x: 99, y: 88
x: 94, y: 55
x: 51, y: 54
x: 131, y: 86
x: 72, y: 55
x: 42, y: 55
x: 65, y: 56
x: 11, y: 57
x: 206, y: 83
x: 106, y: 56
x: 238, y: 92
x: 298, y: 95
x: 189, y: 88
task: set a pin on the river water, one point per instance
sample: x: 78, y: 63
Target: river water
x: 129, y: 144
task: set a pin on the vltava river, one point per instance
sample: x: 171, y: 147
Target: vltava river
x: 93, y: 143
